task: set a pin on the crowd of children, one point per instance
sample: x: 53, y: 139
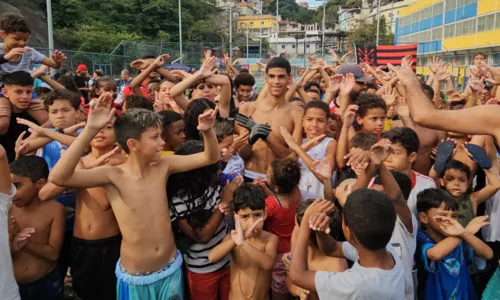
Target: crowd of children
x: 347, y: 183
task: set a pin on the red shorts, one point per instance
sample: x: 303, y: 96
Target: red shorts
x: 209, y: 286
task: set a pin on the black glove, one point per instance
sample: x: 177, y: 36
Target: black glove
x: 245, y: 122
x: 259, y: 131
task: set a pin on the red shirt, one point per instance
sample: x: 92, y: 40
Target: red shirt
x: 127, y: 91
x: 281, y: 221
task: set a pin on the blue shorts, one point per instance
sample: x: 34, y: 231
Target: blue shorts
x: 49, y: 287
x: 164, y: 284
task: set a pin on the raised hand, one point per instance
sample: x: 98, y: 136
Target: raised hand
x: 208, y: 54
x: 319, y: 221
x: 315, y: 65
x: 358, y: 158
x: 160, y: 60
x: 238, y: 235
x: 334, y: 85
x: 334, y: 55
x: 140, y: 64
x: 475, y: 84
x: 245, y: 122
x: 180, y: 74
x: 402, y: 108
x: 102, y: 160
x: 41, y: 70
x: 434, y: 64
x: 240, y: 141
x: 347, y: 83
x: 405, y: 73
x: 227, y: 59
x: 262, y: 66
x: 206, y: 69
x: 206, y: 120
x: 58, y: 57
x: 301, y: 83
x: 33, y: 128
x: 449, y: 226
x: 380, y: 152
x: 101, y: 113
x: 390, y: 96
x: 73, y: 129
x: 319, y: 206
x: 15, y: 54
x: 323, y: 168
x: 229, y: 188
x: 350, y: 115
x: 21, y: 147
x: 476, y: 224
x: 225, y: 209
x: 289, y: 140
x: 259, y: 131
x: 312, y: 142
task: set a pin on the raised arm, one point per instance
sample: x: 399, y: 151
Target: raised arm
x: 64, y: 173
x: 205, y: 71
x: 481, y: 120
x: 56, y: 60
x: 279, y: 150
x: 225, y: 93
x: 342, y: 146
x: 211, y: 155
x: 5, y: 182
x: 136, y: 83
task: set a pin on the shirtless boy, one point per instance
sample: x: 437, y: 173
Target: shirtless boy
x: 275, y: 111
x: 35, y: 258
x: 150, y: 265
x: 253, y: 251
x: 95, y: 248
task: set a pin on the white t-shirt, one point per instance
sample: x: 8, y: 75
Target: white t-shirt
x: 360, y: 282
x: 420, y: 183
x: 491, y: 232
x: 235, y: 165
x: 310, y: 187
x: 8, y: 285
x: 405, y: 245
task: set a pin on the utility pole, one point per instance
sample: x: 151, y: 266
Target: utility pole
x: 277, y: 27
x: 49, y: 26
x: 378, y: 21
x: 180, y: 31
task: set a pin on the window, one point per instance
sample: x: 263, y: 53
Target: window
x: 293, y: 46
x: 437, y: 34
x: 449, y: 31
x: 438, y: 9
x: 414, y: 18
x: 450, y: 4
x: 497, y: 24
x: 490, y: 22
x: 459, y: 27
x: 283, y: 46
x: 469, y: 27
x: 481, y: 24
x: 460, y: 3
x: 307, y: 46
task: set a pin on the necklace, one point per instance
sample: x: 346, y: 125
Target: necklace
x: 255, y: 282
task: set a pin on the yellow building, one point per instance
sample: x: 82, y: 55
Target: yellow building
x: 253, y: 24
x: 453, y: 29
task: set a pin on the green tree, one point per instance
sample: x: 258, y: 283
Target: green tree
x: 365, y: 32
x: 289, y: 10
x: 331, y: 16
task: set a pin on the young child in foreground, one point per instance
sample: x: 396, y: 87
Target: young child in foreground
x: 252, y: 250
x: 369, y: 218
x: 316, y: 260
x: 445, y: 248
x: 35, y: 258
x: 150, y: 265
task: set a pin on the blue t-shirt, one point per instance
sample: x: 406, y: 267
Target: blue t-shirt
x: 51, y: 152
x: 447, y: 278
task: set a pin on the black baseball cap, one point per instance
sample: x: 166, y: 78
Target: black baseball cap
x: 359, y: 75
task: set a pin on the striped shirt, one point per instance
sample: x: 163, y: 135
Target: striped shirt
x: 31, y: 56
x: 197, y: 256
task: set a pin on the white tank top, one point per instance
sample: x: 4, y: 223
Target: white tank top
x: 310, y: 187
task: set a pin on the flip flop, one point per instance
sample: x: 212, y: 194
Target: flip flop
x: 479, y: 156
x: 443, y: 155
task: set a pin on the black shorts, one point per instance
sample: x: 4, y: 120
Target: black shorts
x: 46, y: 288
x: 93, y: 264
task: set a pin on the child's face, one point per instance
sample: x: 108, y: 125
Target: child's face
x: 150, y: 145
x: 19, y: 96
x: 277, y: 79
x: 106, y: 137
x: 479, y: 60
x: 371, y: 91
x: 373, y: 121
x: 249, y: 216
x: 165, y: 89
x: 152, y: 88
x: 108, y: 87
x: 205, y: 90
x: 313, y: 95
x: 174, y: 134
x: 62, y: 114
x: 314, y: 122
x: 399, y: 160
x: 244, y: 92
x: 26, y: 190
x: 15, y: 39
x: 455, y: 182
x: 331, y: 129
x: 227, y: 143
x: 427, y: 218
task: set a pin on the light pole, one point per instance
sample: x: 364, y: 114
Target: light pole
x: 277, y: 27
x: 247, y: 50
x: 323, y: 32
x: 378, y: 21
x: 230, y: 32
x: 49, y: 26
x: 260, y: 47
x: 180, y: 31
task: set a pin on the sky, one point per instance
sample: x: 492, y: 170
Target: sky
x: 312, y: 3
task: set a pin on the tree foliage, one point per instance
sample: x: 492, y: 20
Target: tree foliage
x: 290, y: 10
x: 98, y: 26
x: 365, y: 32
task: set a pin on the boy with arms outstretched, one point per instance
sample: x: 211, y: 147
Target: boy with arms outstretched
x: 253, y: 251
x: 35, y: 261
x: 150, y: 265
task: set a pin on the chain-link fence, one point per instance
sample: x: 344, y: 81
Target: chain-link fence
x: 112, y: 65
